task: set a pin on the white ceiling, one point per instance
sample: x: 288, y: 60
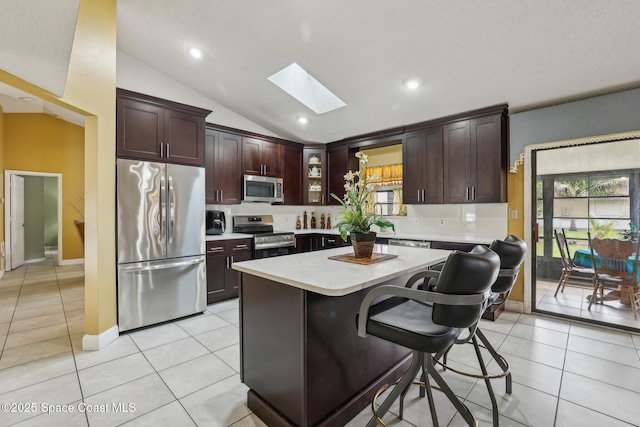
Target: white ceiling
x: 467, y: 55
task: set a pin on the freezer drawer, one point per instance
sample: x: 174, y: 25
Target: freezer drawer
x: 157, y: 291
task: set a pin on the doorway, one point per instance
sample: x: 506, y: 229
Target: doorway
x: 32, y: 217
x: 572, y: 189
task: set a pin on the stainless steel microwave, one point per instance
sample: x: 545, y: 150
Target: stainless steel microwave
x: 262, y: 189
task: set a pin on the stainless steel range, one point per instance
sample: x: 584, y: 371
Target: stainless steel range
x: 266, y: 242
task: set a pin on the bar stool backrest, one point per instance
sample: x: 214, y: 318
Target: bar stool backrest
x: 511, y: 251
x: 465, y: 274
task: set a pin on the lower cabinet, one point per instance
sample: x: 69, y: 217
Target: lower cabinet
x: 318, y: 241
x: 222, y: 281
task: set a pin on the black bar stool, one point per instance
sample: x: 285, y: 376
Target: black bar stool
x: 429, y: 321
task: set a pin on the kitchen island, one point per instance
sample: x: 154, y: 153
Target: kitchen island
x: 300, y: 354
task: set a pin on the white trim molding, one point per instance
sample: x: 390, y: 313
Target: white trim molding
x: 75, y: 261
x: 97, y: 342
x: 517, y: 306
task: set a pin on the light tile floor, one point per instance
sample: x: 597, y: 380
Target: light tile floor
x: 573, y: 302
x: 185, y: 373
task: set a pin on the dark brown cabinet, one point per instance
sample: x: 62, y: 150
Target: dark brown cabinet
x: 338, y: 164
x: 292, y: 175
x: 475, y: 153
x: 222, y: 281
x: 319, y: 241
x: 261, y: 157
x: 314, y: 172
x: 422, y: 167
x: 153, y: 129
x: 223, y: 167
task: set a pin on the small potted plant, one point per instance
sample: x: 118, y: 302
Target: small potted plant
x: 357, y: 219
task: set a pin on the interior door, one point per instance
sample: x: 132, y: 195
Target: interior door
x: 17, y: 221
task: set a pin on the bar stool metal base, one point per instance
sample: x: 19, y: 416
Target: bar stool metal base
x: 420, y: 362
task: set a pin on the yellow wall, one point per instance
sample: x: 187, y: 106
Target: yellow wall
x: 42, y: 143
x: 515, y: 188
x: 90, y: 90
x: 1, y: 182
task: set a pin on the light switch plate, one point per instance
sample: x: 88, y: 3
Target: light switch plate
x: 514, y: 213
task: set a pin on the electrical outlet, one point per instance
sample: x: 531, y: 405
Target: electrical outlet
x: 416, y: 221
x: 514, y: 213
x: 441, y: 221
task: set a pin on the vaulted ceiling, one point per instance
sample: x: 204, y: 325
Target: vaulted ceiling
x: 466, y: 55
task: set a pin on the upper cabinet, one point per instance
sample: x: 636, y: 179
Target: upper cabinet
x: 457, y: 159
x: 292, y: 174
x: 314, y: 171
x: 223, y: 167
x: 475, y: 160
x: 149, y: 128
x: 422, y: 166
x: 261, y: 157
x: 338, y: 165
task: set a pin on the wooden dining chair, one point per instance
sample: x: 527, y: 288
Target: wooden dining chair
x: 568, y: 266
x: 610, y: 259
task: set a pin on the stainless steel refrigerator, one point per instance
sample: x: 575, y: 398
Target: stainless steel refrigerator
x: 161, y: 246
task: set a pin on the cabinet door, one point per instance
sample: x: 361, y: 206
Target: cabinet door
x: 433, y: 165
x: 233, y: 276
x: 184, y: 138
x: 228, y: 172
x: 216, y: 277
x: 251, y: 159
x: 488, y: 160
x: 271, y: 159
x: 210, y: 145
x: 314, y: 172
x: 303, y: 243
x: 413, y: 168
x: 139, y: 130
x: 292, y: 175
x: 338, y: 164
x: 457, y: 158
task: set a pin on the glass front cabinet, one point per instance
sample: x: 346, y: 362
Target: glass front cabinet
x: 315, y: 173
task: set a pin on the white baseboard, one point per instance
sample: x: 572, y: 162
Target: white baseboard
x: 31, y: 261
x: 76, y: 261
x: 96, y: 342
x: 517, y: 306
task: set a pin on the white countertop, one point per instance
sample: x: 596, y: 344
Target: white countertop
x: 227, y: 236
x: 313, y: 271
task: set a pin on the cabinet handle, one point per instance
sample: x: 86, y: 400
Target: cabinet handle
x: 228, y: 262
x: 217, y: 191
x: 238, y: 247
x: 466, y: 196
x: 231, y: 259
x: 423, y: 191
x: 265, y: 169
x: 216, y: 249
x: 473, y: 193
x: 323, y: 199
x: 161, y: 149
x: 221, y: 195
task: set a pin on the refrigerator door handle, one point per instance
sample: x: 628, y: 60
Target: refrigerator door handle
x: 163, y: 230
x: 163, y: 266
x: 171, y: 209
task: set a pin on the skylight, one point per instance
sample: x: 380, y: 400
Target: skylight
x: 306, y: 89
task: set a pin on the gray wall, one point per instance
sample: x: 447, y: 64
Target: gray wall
x: 33, y: 217
x: 601, y: 115
x: 51, y: 211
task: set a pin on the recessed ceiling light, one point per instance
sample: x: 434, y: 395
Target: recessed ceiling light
x: 303, y: 120
x: 306, y: 89
x: 412, y: 84
x: 195, y: 52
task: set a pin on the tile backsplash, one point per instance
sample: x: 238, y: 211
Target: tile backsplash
x: 477, y: 220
